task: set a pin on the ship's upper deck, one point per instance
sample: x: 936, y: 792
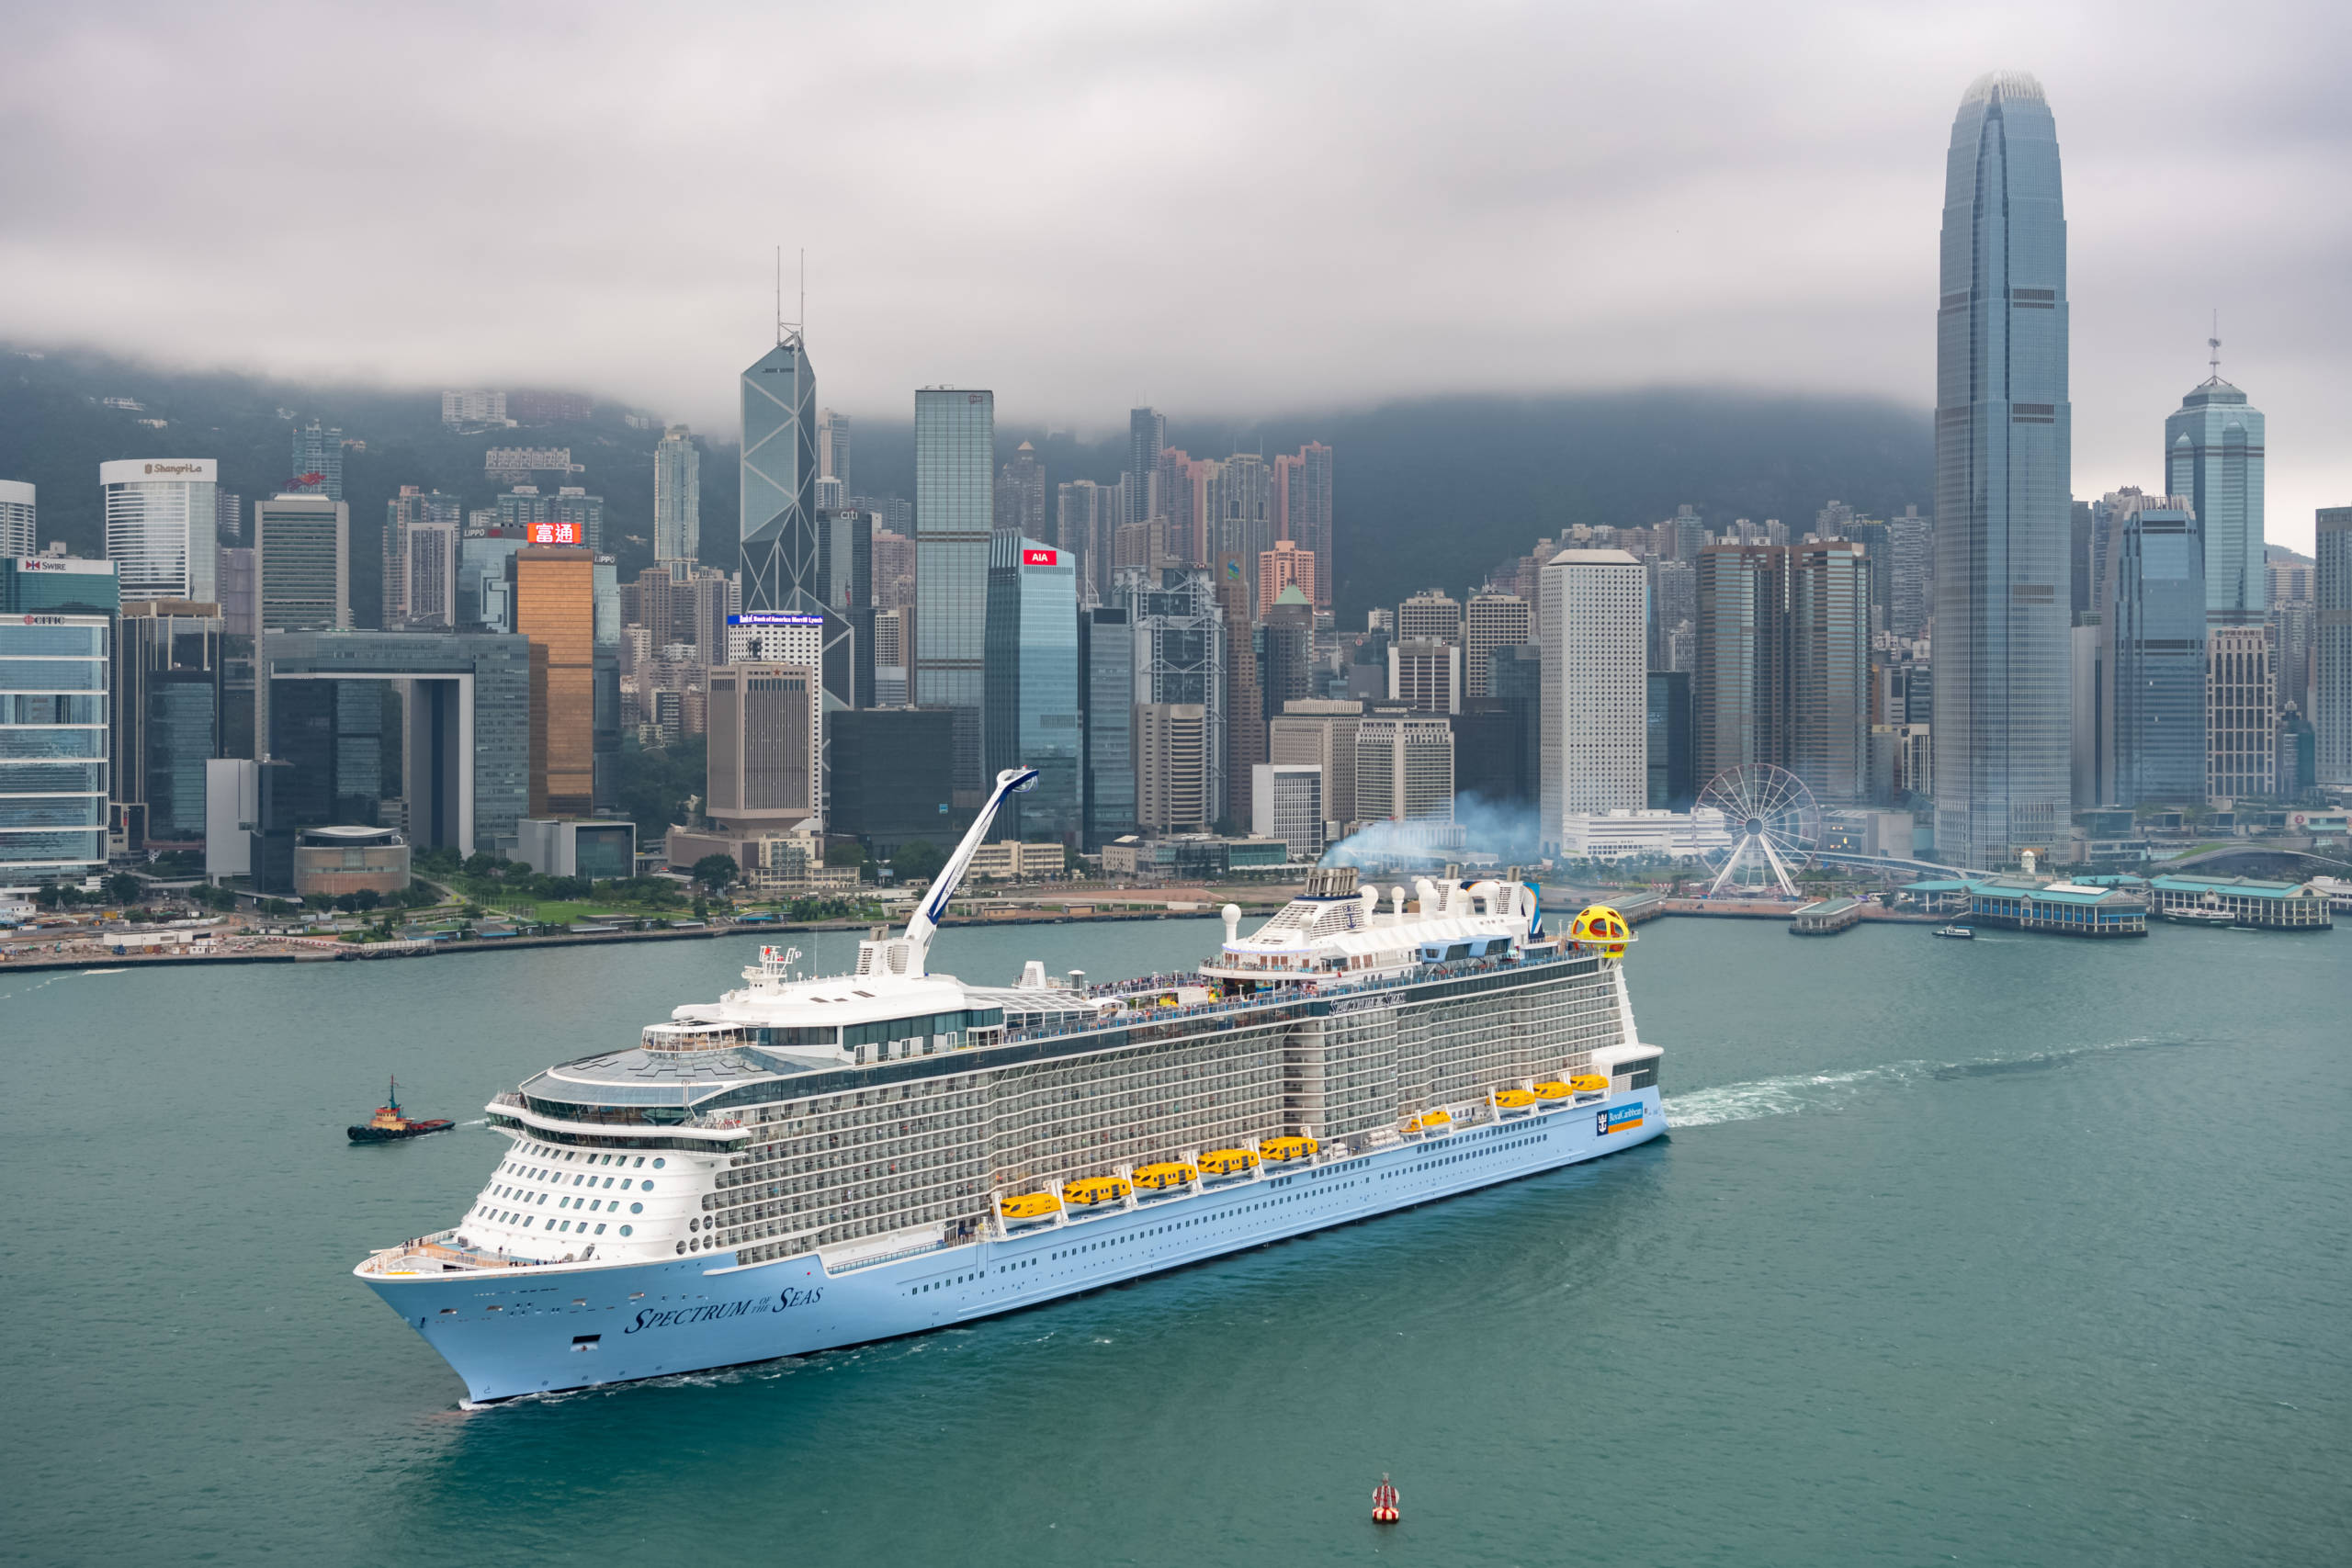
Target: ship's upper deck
x: 1331, y: 946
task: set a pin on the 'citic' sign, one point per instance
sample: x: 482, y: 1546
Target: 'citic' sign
x: 1041, y: 557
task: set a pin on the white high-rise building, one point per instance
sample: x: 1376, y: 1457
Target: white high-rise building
x: 160, y: 526
x: 1594, y: 732
x: 1404, y: 766
x: 16, y: 518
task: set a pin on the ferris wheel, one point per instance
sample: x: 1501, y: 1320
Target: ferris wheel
x: 1774, y: 823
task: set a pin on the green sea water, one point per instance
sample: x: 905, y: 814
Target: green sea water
x: 2024, y: 1250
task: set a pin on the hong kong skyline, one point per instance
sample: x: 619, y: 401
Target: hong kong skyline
x: 1235, y: 210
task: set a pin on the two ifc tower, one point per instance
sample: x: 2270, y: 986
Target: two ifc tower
x: 2003, y: 727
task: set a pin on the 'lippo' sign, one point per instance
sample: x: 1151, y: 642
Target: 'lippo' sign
x: 1041, y: 557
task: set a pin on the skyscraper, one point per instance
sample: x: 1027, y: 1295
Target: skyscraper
x: 1084, y: 522
x: 1021, y: 495
x: 1147, y: 438
x: 301, y: 563
x: 1176, y: 777
x: 764, y: 727
x: 1244, y: 707
x: 1740, y: 697
x: 1283, y: 565
x: 17, y: 527
x: 318, y: 449
x: 1594, y: 721
x: 1179, y: 665
x: 1321, y: 732
x: 2003, y: 461
x: 1303, y: 511
x: 779, y: 525
x: 1033, y: 712
x: 1107, y: 697
x: 2151, y: 704
x: 1404, y: 766
x: 161, y: 531
x: 1491, y: 621
x: 54, y: 691
x: 955, y: 511
x: 1829, y: 668
x: 2213, y: 457
x: 403, y: 511
x: 2332, y: 651
x: 1912, y: 540
x: 1241, y: 513
x: 832, y: 449
x: 677, y: 499
x: 1287, y: 649
x: 554, y: 596
x: 2241, y: 712
x: 1432, y: 614
x: 168, y: 714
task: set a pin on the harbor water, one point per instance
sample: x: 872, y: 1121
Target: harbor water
x: 2022, y: 1251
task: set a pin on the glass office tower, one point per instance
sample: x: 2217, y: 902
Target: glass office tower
x: 2214, y: 458
x: 954, y: 511
x: 779, y: 525
x: 53, y: 685
x: 2152, y: 674
x: 2003, y: 460
x: 1033, y: 717
x: 1106, y: 674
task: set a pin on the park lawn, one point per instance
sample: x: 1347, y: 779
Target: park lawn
x: 565, y: 911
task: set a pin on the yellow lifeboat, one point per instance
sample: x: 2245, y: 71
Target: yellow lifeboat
x: 1160, y: 1177
x: 1553, y: 1089
x: 1092, y: 1190
x: 1282, y: 1151
x: 1602, y: 928
x: 1228, y: 1162
x: 1030, y: 1206
x: 1588, y: 1083
x: 1429, y: 1121
x: 1513, y: 1099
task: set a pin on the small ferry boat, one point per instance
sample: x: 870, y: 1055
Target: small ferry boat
x: 388, y: 1124
x: 2196, y: 915
x: 1962, y: 932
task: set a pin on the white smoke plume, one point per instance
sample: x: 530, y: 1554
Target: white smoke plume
x: 1506, y: 829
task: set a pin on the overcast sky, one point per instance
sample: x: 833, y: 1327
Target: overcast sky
x: 1219, y: 209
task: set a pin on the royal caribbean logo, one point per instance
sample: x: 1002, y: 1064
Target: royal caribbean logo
x: 1623, y: 1119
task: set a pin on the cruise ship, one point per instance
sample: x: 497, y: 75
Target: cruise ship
x: 810, y: 1163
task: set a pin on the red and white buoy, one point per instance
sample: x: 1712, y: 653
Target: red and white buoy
x: 1384, y: 1501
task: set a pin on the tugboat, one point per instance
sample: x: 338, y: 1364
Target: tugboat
x: 389, y: 1126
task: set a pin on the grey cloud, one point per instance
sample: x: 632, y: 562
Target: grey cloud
x: 1236, y: 208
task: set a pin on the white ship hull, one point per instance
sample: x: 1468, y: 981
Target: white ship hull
x: 552, y: 1327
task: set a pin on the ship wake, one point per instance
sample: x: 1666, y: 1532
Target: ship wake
x: 1820, y: 1093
